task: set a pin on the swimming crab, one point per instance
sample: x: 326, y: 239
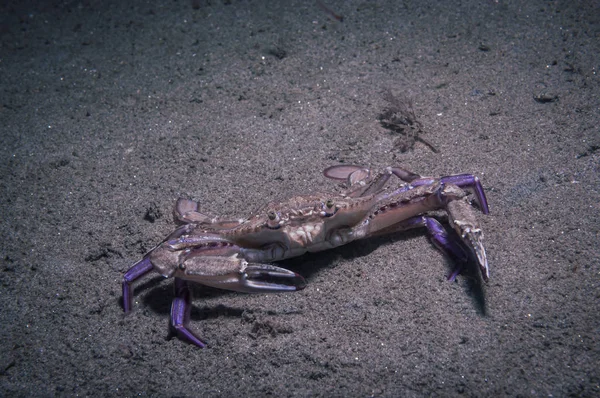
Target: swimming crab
x: 236, y: 254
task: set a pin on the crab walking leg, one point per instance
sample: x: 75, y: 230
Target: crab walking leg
x: 180, y: 313
x: 383, y: 178
x: 448, y: 245
x: 343, y: 172
x: 224, y: 272
x: 143, y: 267
x: 218, y: 266
x: 360, y: 181
x: 140, y: 269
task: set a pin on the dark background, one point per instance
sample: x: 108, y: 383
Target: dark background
x: 111, y: 110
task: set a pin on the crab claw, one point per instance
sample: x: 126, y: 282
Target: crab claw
x: 472, y: 237
x: 228, y: 271
x: 269, y: 278
x: 464, y: 223
x: 255, y: 278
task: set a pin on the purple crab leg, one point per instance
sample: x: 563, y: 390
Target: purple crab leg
x: 140, y: 269
x: 180, y: 313
x: 442, y: 240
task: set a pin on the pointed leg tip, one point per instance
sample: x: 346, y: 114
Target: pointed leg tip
x: 452, y: 277
x: 183, y: 333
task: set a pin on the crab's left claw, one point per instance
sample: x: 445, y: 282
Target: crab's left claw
x: 259, y: 278
x: 231, y: 272
x: 256, y: 278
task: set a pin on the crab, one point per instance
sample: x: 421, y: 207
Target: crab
x: 238, y: 254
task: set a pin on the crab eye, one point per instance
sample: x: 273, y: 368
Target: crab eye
x: 273, y: 221
x: 329, y: 208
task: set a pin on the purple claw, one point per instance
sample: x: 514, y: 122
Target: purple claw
x: 140, y: 269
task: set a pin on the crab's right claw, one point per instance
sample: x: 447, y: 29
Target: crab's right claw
x: 464, y: 223
x: 473, y: 239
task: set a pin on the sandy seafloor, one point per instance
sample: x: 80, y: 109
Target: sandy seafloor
x: 111, y: 110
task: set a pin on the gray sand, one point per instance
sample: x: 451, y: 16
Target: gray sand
x: 110, y: 111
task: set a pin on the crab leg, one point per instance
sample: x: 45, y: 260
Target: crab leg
x: 215, y: 263
x: 140, y: 269
x: 441, y: 239
x: 380, y: 181
x: 360, y: 181
x: 143, y: 267
x: 180, y: 313
x: 358, y: 178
